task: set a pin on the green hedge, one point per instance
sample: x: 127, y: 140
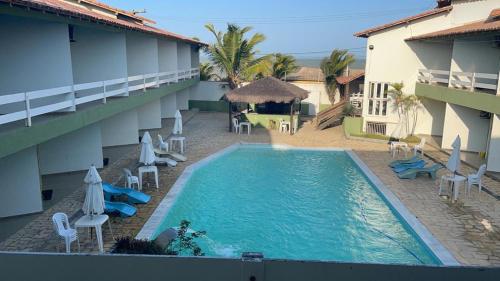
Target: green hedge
x: 353, y: 125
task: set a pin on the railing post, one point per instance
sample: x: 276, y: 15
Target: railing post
x: 449, y: 78
x: 126, y: 86
x: 157, y: 80
x: 498, y: 84
x: 73, y: 96
x: 28, y: 110
x: 176, y: 76
x: 103, y: 91
x: 473, y: 82
x: 144, y: 82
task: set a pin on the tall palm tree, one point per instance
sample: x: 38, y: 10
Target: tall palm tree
x: 333, y: 67
x: 283, y: 65
x: 234, y: 54
x: 207, y: 72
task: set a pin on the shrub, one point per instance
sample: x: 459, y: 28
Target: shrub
x: 127, y: 245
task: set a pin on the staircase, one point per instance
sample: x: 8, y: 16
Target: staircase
x: 328, y: 117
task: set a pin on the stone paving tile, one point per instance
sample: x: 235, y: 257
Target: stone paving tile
x: 469, y: 229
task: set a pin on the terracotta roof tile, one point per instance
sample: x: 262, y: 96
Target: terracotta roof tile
x: 307, y: 74
x: 355, y: 74
x: 368, y: 32
x: 62, y: 8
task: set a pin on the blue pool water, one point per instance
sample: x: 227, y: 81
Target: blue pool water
x: 293, y: 204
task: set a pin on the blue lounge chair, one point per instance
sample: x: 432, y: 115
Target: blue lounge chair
x: 404, y: 161
x: 124, y: 209
x: 134, y: 197
x: 412, y: 173
x: 403, y: 167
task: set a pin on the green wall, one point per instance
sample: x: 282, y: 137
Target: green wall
x: 476, y: 100
x: 324, y: 106
x: 262, y: 120
x: 353, y: 125
x: 24, y: 137
x: 212, y: 106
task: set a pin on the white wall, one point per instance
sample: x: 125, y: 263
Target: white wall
x: 465, y: 122
x: 195, y: 57
x: 75, y: 151
x: 149, y: 116
x: 142, y: 54
x: 475, y: 56
x: 182, y: 99
x: 317, y: 95
x: 465, y: 11
x: 35, y: 55
x: 167, y: 55
x: 208, y: 91
x: 183, y: 56
x: 168, y: 105
x: 20, y: 184
x: 431, y: 118
x: 120, y: 129
x: 494, y: 145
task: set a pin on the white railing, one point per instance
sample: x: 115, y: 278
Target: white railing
x: 465, y: 80
x: 376, y: 128
x: 83, y: 93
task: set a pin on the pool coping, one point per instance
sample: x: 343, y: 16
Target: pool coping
x: 151, y: 225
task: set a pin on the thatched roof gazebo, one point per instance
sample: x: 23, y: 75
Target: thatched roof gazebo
x: 266, y: 90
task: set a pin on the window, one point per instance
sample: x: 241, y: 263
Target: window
x: 377, y: 98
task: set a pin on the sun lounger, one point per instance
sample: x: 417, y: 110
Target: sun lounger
x: 404, y: 161
x: 133, y: 196
x: 165, y: 161
x: 412, y: 173
x: 175, y: 155
x: 406, y: 166
x: 125, y: 210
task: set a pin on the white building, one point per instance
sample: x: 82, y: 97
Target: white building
x: 77, y: 76
x: 450, y: 57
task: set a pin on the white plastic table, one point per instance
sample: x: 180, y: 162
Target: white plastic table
x: 95, y: 222
x: 398, y: 145
x: 455, y: 181
x: 284, y: 126
x: 148, y: 169
x: 180, y: 140
x: 247, y: 124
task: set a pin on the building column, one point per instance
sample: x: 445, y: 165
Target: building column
x: 183, y: 99
x: 121, y: 129
x: 168, y: 105
x: 20, y: 184
x: 493, y: 161
x: 149, y: 116
x: 75, y: 151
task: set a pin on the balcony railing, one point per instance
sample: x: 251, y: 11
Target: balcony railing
x: 471, y: 81
x: 82, y: 93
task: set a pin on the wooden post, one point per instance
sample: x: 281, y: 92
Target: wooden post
x: 230, y: 117
x: 291, y: 116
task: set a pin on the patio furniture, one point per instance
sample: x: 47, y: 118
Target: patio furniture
x: 403, y: 167
x: 63, y: 230
x: 123, y: 209
x: 404, y: 161
x: 133, y: 196
x: 176, y: 156
x: 476, y: 178
x: 236, y: 126
x: 412, y: 173
x: 455, y: 181
x: 179, y: 141
x: 284, y: 126
x: 165, y: 161
x: 131, y: 179
x: 397, y: 146
x: 163, y: 145
x: 245, y: 124
x: 148, y: 169
x: 420, y: 147
x: 95, y: 222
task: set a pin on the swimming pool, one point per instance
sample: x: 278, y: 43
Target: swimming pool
x: 290, y: 203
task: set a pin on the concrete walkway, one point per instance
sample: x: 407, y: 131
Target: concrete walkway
x: 469, y: 228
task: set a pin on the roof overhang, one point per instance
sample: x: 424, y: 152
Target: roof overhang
x: 485, y: 27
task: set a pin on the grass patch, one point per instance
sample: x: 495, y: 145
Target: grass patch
x: 409, y: 139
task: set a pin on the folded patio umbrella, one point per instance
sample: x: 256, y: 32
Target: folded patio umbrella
x: 94, y: 198
x: 454, y: 161
x: 178, y: 123
x: 148, y: 156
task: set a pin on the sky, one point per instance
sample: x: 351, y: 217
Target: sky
x: 305, y: 29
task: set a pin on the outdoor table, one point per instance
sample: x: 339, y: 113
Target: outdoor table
x: 96, y: 222
x: 284, y: 126
x: 398, y: 145
x: 180, y: 140
x: 148, y: 169
x: 455, y: 181
x: 249, y: 127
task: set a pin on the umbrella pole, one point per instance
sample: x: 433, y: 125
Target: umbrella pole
x: 230, y: 119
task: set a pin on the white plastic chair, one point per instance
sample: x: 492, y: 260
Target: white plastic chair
x: 420, y: 147
x: 131, y: 179
x: 236, y: 126
x: 476, y: 178
x: 163, y: 145
x: 62, y: 228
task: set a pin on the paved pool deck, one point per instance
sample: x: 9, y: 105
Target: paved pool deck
x: 469, y: 229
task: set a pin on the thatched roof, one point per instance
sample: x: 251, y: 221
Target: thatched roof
x: 267, y: 89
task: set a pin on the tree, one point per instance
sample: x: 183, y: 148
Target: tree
x: 283, y: 65
x: 406, y: 106
x: 207, y: 72
x: 235, y: 55
x: 333, y: 67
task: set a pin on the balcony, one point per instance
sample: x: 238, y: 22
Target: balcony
x: 21, y: 104
x: 469, y: 89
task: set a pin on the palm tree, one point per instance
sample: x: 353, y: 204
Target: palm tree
x: 406, y: 106
x: 283, y: 65
x: 235, y: 55
x: 333, y: 67
x: 207, y: 72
